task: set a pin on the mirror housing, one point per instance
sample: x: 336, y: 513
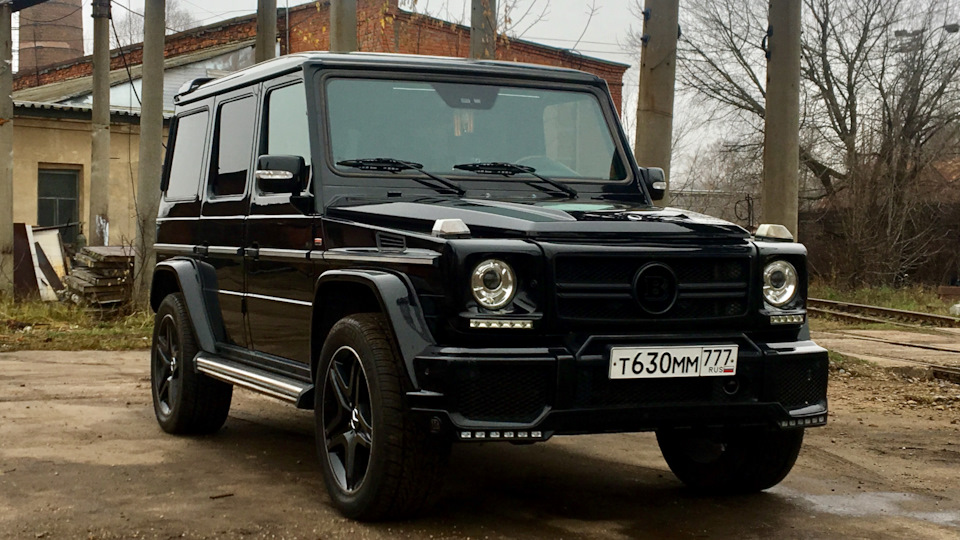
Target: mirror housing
x: 655, y: 181
x: 281, y: 174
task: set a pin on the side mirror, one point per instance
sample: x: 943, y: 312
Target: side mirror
x: 656, y: 182
x: 281, y: 174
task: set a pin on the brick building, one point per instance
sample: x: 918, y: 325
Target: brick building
x: 383, y: 27
x: 52, y: 120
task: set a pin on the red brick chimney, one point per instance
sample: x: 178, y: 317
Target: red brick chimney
x: 50, y: 33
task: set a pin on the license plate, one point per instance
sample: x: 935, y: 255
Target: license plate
x: 672, y: 362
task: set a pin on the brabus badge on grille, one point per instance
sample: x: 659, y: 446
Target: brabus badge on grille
x: 655, y: 288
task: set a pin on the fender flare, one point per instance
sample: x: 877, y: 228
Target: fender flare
x: 398, y: 303
x: 197, y: 281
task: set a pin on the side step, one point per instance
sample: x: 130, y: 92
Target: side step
x: 271, y: 384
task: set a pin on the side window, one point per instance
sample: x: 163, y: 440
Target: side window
x: 287, y: 129
x: 186, y: 166
x: 234, y: 147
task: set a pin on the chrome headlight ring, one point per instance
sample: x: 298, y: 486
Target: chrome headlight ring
x: 781, y: 282
x: 493, y: 283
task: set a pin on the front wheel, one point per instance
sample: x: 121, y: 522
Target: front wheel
x: 739, y: 461
x: 377, y: 462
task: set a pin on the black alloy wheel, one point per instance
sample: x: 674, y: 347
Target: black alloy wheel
x: 184, y: 400
x: 166, y: 371
x: 347, y: 419
x: 378, y: 460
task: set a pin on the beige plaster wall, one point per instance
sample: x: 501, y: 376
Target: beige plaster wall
x: 56, y: 143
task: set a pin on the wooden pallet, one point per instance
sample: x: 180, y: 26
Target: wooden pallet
x: 102, y: 276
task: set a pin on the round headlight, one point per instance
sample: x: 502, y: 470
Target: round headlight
x: 493, y: 283
x: 780, y: 283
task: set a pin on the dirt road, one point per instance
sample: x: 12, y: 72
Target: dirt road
x: 81, y: 456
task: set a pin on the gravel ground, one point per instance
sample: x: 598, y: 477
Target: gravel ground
x: 81, y: 456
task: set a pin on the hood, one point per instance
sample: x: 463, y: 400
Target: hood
x: 543, y: 219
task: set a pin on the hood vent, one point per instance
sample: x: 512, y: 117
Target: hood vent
x: 393, y: 243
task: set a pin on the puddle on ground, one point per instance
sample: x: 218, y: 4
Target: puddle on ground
x: 877, y: 504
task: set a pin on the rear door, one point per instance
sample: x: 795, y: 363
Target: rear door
x: 279, y: 237
x: 226, y: 202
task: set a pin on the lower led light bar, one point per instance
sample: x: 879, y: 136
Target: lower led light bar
x: 497, y: 323
x: 786, y: 319
x: 501, y: 435
x: 804, y: 422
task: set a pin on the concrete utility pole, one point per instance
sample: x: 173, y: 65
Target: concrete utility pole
x: 781, y: 145
x: 151, y: 146
x: 483, y: 29
x: 658, y: 69
x: 266, y: 46
x: 98, y: 224
x: 343, y: 25
x: 6, y: 150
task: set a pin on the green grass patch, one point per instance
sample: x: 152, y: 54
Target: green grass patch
x: 61, y: 326
x: 912, y: 298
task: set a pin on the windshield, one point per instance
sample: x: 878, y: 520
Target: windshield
x: 560, y: 134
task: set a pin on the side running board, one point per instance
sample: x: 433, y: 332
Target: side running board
x: 271, y: 384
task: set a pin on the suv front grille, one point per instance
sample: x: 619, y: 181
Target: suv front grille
x: 598, y: 288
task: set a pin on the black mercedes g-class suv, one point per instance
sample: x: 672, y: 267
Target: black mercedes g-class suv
x: 428, y: 250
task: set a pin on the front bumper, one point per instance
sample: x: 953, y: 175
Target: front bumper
x: 533, y: 393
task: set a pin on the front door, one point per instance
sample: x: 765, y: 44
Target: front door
x: 279, y: 237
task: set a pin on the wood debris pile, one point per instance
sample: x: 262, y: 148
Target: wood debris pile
x: 102, y: 276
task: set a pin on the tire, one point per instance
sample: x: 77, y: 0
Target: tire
x: 735, y: 462
x: 185, y: 401
x: 377, y: 462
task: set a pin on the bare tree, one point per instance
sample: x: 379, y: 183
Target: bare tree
x: 880, y: 103
x: 129, y: 24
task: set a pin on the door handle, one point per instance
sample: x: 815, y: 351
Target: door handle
x: 252, y: 252
x: 201, y: 250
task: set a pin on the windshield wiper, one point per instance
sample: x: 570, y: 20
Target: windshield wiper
x: 510, y: 169
x: 397, y: 165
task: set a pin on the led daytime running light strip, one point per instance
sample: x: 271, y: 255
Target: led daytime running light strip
x: 491, y: 323
x: 499, y: 435
x: 802, y: 422
x: 786, y: 319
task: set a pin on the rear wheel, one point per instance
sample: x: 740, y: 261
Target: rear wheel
x: 377, y: 462
x: 185, y: 401
x: 741, y: 461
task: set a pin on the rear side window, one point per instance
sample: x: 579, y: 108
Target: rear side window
x: 234, y: 147
x: 287, y: 129
x: 186, y: 166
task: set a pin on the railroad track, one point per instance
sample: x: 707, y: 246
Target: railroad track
x: 897, y: 317
x: 939, y: 371
x: 877, y: 314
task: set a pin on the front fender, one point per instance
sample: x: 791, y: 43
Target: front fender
x: 399, y: 304
x: 197, y: 281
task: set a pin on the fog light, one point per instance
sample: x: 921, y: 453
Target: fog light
x: 536, y: 434
x: 507, y: 434
x: 466, y: 435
